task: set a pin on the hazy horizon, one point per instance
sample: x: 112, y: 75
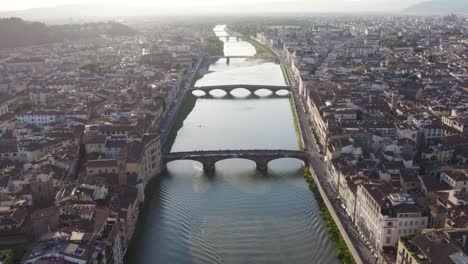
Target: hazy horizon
x: 190, y: 6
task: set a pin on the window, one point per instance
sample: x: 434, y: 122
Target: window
x: 388, y: 240
x: 410, y: 223
x: 389, y: 231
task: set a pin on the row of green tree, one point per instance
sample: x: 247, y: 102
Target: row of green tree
x: 342, y: 249
x: 16, y: 32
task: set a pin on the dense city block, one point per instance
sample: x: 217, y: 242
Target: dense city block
x: 381, y: 104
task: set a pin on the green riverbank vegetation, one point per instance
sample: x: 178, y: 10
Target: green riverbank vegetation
x: 285, y: 76
x: 342, y: 250
x: 262, y: 51
x: 296, y: 124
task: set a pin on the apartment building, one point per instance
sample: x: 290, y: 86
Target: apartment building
x: 383, y: 214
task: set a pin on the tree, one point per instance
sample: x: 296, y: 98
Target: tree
x: 413, y: 77
x: 7, y: 256
x: 361, y: 70
x: 23, y: 106
x: 393, y: 41
x: 212, y: 45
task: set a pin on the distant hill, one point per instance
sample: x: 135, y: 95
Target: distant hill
x: 16, y: 32
x: 66, y: 14
x: 440, y: 7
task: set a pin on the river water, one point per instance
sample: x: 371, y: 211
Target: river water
x: 237, y: 215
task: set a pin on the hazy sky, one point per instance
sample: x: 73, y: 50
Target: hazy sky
x: 293, y: 5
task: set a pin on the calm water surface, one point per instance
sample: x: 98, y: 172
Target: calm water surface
x: 236, y: 215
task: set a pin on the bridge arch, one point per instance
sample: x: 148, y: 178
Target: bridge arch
x: 282, y: 92
x: 198, y: 93
x: 218, y: 92
x: 304, y: 161
x: 260, y: 163
x: 264, y: 92
x: 184, y: 159
x: 250, y: 160
x: 240, y: 92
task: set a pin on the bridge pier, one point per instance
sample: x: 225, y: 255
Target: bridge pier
x: 209, y: 166
x: 262, y: 166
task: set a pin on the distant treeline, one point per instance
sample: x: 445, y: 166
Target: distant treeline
x: 213, y: 45
x: 16, y: 32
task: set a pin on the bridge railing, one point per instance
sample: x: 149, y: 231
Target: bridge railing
x: 234, y: 152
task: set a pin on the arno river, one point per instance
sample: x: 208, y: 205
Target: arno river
x: 236, y: 215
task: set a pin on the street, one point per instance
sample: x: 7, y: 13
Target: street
x: 166, y: 123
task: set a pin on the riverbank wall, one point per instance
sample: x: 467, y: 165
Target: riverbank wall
x: 167, y: 127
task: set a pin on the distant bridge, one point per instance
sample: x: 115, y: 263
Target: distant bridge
x: 228, y: 58
x: 232, y: 57
x: 260, y: 157
x: 228, y: 37
x: 251, y: 88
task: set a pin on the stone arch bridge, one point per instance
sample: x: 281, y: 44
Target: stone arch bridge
x: 229, y: 37
x: 251, y: 88
x: 260, y: 157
